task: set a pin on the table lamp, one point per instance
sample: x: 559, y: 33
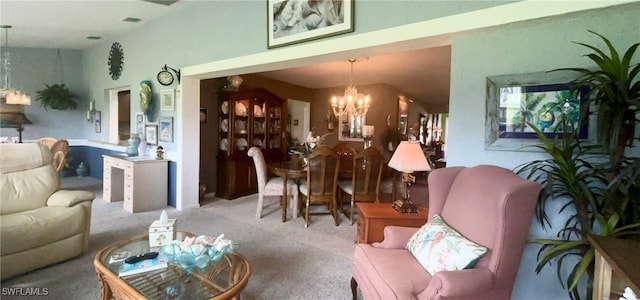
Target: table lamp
x: 408, y: 158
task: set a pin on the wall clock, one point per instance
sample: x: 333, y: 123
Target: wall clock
x: 116, y: 61
x: 165, y: 77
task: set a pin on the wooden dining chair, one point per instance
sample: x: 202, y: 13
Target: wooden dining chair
x: 323, y: 165
x: 59, y: 149
x: 47, y: 141
x: 346, y: 153
x: 271, y: 186
x: 365, y: 183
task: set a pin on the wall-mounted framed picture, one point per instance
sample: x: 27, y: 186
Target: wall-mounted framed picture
x: 294, y: 21
x: 151, y: 134
x: 167, y: 99
x: 403, y: 120
x: 140, y: 123
x: 544, y: 99
x: 350, y: 127
x: 166, y: 129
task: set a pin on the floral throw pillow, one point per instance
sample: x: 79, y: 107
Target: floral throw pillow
x: 439, y: 247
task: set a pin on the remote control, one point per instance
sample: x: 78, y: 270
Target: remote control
x: 141, y: 257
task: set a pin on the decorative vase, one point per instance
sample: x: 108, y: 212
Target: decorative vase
x: 142, y: 148
x: 82, y: 170
x: 134, y: 142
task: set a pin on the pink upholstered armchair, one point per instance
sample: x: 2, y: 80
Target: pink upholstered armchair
x: 488, y: 205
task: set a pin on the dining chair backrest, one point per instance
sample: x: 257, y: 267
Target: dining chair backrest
x: 59, y: 150
x: 323, y: 165
x: 346, y: 154
x: 47, y: 141
x: 368, y: 166
x: 261, y: 166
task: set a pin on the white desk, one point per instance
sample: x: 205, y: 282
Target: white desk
x: 140, y: 181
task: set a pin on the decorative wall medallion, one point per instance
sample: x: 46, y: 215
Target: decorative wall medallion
x: 116, y: 61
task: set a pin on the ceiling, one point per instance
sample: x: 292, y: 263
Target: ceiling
x: 422, y: 74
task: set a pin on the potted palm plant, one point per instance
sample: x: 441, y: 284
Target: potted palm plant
x: 570, y: 176
x: 600, y: 197
x: 615, y: 87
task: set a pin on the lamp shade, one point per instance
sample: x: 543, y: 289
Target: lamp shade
x: 409, y: 157
x: 15, y: 97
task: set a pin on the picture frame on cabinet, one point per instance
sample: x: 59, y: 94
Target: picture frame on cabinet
x: 166, y: 129
x: 151, y: 134
x: 140, y: 123
x: 325, y: 18
x: 167, y: 100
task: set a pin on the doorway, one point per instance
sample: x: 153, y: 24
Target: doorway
x: 299, y: 121
x: 124, y: 115
x: 119, y: 115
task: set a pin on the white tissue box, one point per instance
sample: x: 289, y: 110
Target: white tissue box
x: 162, y: 234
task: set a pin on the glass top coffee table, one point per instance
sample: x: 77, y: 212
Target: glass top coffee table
x: 223, y: 280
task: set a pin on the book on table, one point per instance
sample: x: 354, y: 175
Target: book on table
x: 160, y: 262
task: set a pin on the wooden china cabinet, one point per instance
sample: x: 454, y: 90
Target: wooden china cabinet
x: 247, y: 118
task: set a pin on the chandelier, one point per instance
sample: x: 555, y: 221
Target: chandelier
x: 352, y: 104
x: 12, y: 96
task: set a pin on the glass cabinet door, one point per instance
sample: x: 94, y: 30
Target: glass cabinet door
x: 275, y: 126
x: 223, y: 135
x: 258, y: 137
x: 251, y: 118
x: 240, y: 123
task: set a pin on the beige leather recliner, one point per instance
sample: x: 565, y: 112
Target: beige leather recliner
x: 39, y: 223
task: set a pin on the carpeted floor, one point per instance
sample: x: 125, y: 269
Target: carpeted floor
x: 288, y: 261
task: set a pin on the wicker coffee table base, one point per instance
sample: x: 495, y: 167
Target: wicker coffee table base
x: 223, y: 280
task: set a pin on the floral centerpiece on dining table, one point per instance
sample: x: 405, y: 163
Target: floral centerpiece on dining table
x: 312, y: 142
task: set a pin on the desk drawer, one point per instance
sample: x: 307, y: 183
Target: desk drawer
x: 128, y: 187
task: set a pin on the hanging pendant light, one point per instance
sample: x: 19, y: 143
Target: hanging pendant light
x: 12, y: 96
x: 352, y: 103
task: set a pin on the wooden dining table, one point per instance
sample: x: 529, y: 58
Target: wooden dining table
x: 287, y: 169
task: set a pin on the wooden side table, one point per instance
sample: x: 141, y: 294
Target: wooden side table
x: 620, y: 256
x: 374, y: 217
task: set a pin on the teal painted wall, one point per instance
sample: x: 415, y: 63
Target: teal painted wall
x: 32, y: 68
x: 533, y: 46
x: 200, y: 32
x: 206, y: 31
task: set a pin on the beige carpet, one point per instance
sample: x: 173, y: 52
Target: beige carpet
x: 287, y: 260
